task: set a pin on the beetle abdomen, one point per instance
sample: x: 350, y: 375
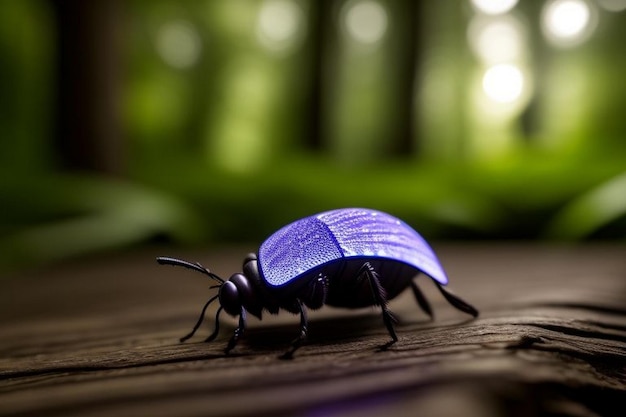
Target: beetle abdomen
x: 348, y: 290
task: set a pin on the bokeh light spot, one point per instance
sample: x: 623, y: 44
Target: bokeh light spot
x: 279, y: 24
x: 366, y: 21
x: 178, y: 43
x: 494, y: 6
x: 503, y: 83
x: 567, y: 22
x: 497, y: 40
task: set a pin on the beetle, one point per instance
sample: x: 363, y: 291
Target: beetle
x: 351, y: 257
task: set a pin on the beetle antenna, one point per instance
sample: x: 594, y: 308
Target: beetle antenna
x: 165, y: 260
x: 201, y: 318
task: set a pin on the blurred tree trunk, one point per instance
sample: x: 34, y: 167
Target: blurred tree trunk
x: 403, y: 65
x: 320, y: 36
x: 406, y: 53
x: 88, y: 132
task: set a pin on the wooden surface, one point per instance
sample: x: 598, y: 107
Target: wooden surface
x: 100, y: 338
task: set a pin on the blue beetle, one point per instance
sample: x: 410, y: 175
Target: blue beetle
x: 351, y: 258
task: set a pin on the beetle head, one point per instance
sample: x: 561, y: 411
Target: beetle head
x: 240, y: 292
x: 236, y: 294
x: 229, y: 298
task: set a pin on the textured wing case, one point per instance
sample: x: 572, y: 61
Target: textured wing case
x: 344, y: 233
x: 295, y: 249
x: 371, y: 233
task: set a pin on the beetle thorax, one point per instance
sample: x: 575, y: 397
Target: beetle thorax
x: 244, y: 290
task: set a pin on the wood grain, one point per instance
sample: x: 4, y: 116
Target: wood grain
x: 99, y: 337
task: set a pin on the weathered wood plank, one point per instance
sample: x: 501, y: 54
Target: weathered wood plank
x: 100, y: 338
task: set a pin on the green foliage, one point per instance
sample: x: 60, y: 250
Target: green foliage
x: 229, y: 137
x: 56, y: 217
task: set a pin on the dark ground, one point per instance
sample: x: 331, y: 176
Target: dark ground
x: 100, y: 337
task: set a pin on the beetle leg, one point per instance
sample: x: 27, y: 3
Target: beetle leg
x: 381, y: 299
x: 421, y: 300
x: 216, y: 331
x: 457, y: 302
x: 304, y: 330
x: 315, y: 297
x: 200, y: 319
x: 238, y: 332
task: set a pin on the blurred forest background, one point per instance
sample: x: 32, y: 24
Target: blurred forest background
x: 199, y: 122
